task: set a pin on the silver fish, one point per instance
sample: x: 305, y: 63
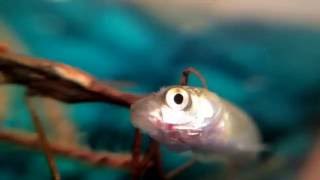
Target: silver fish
x: 190, y: 119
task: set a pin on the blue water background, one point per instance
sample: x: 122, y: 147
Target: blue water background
x: 272, y: 70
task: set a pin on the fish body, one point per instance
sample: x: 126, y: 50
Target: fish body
x: 190, y: 119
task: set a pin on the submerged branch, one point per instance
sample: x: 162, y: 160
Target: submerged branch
x: 68, y: 84
x: 30, y: 140
x: 185, y: 77
x: 43, y: 140
x: 58, y: 81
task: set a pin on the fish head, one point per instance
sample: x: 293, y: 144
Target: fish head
x: 176, y: 114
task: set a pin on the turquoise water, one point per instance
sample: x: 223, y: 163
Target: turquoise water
x: 270, y: 70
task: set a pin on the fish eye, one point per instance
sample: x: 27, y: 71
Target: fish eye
x: 177, y: 98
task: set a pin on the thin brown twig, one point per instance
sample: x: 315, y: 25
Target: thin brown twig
x: 136, y: 153
x: 43, y: 139
x: 30, y: 140
x: 62, y: 128
x: 59, y: 81
x: 147, y: 160
x: 157, y: 160
x: 153, y: 159
x: 185, y: 77
x: 180, y: 169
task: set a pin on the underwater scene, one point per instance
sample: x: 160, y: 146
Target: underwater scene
x: 101, y: 89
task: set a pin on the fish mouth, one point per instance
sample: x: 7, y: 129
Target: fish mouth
x: 165, y: 126
x: 178, y: 128
x: 176, y: 137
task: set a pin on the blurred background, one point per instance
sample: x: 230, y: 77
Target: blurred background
x: 262, y: 55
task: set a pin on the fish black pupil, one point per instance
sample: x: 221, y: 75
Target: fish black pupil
x: 178, y: 98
